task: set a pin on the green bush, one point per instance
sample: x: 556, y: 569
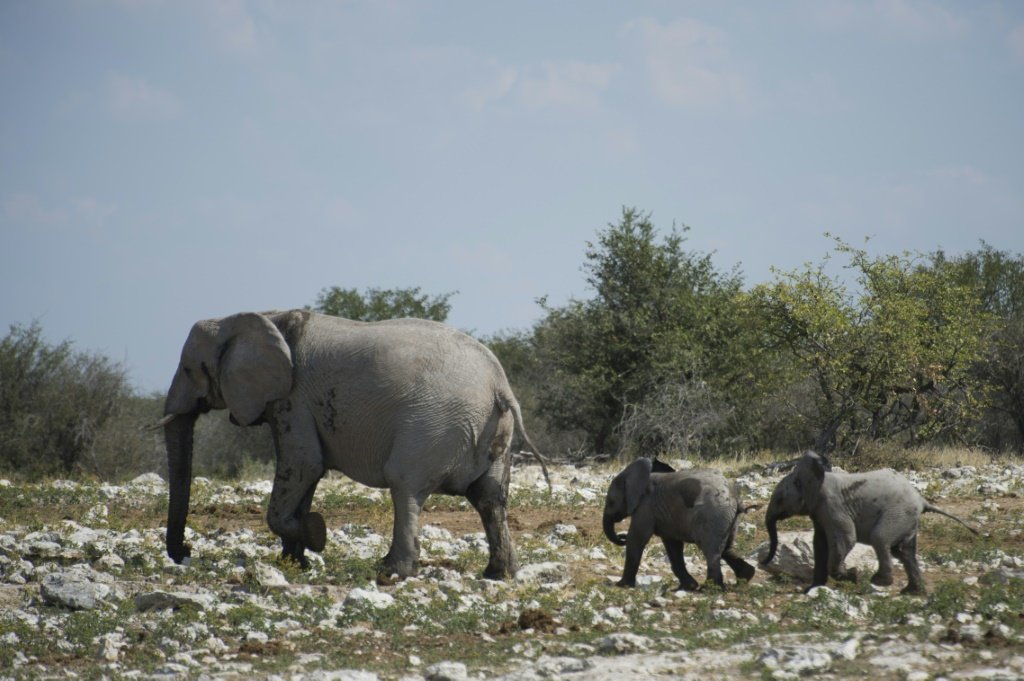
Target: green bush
x: 54, y: 403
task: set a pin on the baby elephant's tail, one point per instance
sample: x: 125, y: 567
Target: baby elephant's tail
x: 928, y: 508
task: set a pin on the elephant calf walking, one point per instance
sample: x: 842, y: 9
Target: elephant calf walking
x: 880, y: 508
x: 697, y: 506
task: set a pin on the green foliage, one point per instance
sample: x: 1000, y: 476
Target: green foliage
x: 54, y: 403
x: 660, y: 315
x: 997, y: 277
x: 892, y: 360
x: 379, y: 304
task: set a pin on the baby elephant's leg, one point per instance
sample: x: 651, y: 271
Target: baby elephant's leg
x: 906, y: 552
x: 674, y: 549
x: 741, y: 568
x: 884, y: 575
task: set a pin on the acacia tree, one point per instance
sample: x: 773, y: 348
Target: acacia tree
x: 660, y: 315
x: 378, y: 304
x: 892, y: 360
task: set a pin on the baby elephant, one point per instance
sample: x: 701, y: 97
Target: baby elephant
x: 697, y: 506
x: 880, y: 508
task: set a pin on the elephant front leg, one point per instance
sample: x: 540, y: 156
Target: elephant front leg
x: 403, y: 557
x: 676, y: 558
x: 299, y: 469
x: 636, y: 542
x: 821, y: 554
x: 314, y: 530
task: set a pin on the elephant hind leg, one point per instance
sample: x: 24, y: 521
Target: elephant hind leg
x: 884, y: 575
x: 906, y: 552
x: 741, y: 568
x: 489, y: 496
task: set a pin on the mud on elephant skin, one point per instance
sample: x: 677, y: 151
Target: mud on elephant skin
x: 410, y: 405
x: 693, y: 506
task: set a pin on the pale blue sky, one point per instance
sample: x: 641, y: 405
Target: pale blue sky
x: 168, y: 161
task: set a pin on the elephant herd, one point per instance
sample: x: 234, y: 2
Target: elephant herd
x: 418, y: 407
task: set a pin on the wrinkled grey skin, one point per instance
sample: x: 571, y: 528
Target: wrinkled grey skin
x: 408, y: 404
x: 696, y: 506
x: 879, y: 508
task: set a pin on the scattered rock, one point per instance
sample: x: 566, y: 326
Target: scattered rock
x: 795, y: 557
x: 78, y: 588
x: 367, y: 597
x: 544, y: 573
x: 446, y: 671
x: 621, y: 643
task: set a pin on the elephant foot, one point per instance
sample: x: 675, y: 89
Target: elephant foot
x: 297, y: 557
x: 499, y: 573
x: 846, y: 575
x: 913, y: 590
x: 397, y: 570
x: 626, y: 583
x: 878, y: 579
x: 743, y: 570
x: 690, y: 585
x: 314, y: 531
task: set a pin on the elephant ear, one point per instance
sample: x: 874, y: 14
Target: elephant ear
x: 637, y: 477
x: 658, y: 466
x: 690, y: 489
x: 255, y: 366
x: 818, y: 465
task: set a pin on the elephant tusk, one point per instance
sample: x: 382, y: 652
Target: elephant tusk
x: 161, y: 423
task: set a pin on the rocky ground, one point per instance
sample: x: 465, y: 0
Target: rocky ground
x: 86, y: 591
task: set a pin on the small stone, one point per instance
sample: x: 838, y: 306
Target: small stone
x: 621, y: 643
x: 446, y: 671
x: 367, y: 597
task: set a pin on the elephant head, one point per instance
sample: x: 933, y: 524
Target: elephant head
x: 241, y: 363
x: 625, y: 492
x: 795, y: 494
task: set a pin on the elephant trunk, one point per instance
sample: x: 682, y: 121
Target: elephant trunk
x: 609, y: 531
x: 770, y: 522
x: 178, y: 437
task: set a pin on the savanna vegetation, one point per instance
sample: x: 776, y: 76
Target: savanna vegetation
x: 668, y: 354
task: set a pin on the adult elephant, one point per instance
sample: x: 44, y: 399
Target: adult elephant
x: 407, y: 404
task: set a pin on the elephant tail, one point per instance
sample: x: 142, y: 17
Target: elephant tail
x: 509, y: 403
x: 929, y: 508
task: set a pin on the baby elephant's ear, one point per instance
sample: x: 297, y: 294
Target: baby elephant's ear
x: 658, y: 466
x: 690, y: 489
x: 637, y: 476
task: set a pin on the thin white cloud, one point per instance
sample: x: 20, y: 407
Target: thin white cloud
x: 232, y: 26
x: 136, y: 98
x: 688, y: 63
x: 94, y: 211
x: 572, y: 85
x: 915, y: 19
x: 28, y: 211
x: 1016, y: 41
x: 566, y: 85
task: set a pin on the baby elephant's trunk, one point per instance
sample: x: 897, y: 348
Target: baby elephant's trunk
x: 609, y: 531
x: 773, y: 538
